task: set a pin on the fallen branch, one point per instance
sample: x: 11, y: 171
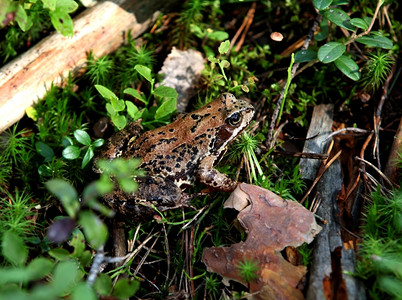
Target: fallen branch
x: 100, y: 29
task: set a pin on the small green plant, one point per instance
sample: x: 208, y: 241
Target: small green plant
x: 248, y: 269
x: 335, y: 51
x: 165, y: 96
x: 381, y: 248
x: 16, y: 213
x: 377, y: 69
x: 73, y: 152
x: 216, y: 80
x: 14, y: 144
x: 191, y: 13
x: 99, y: 70
x: 245, y: 146
x: 23, y: 12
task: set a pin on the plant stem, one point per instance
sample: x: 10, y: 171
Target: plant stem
x: 292, y: 60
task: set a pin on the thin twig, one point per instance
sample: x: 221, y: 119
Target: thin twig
x: 347, y: 131
x: 378, y: 171
x: 249, y: 18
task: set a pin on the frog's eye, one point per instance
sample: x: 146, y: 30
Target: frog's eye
x: 234, y: 119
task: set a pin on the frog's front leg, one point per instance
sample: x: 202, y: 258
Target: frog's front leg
x: 211, y: 177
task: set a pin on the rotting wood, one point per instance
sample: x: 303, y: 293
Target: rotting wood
x: 100, y: 29
x: 332, y: 262
x: 320, y: 127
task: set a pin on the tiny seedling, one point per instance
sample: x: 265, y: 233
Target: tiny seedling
x: 73, y: 152
x: 166, y: 99
x: 248, y: 269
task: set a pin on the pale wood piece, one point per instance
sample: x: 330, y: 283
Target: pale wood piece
x: 100, y: 29
x: 331, y: 259
x: 182, y: 71
x: 320, y: 126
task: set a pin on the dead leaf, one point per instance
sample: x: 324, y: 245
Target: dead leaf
x: 272, y: 224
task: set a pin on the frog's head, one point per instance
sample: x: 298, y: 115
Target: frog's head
x: 237, y: 115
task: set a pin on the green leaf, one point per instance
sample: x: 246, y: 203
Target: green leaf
x: 144, y: 72
x: 132, y: 110
x: 323, y: 33
x: 44, y: 150
x: 118, y: 105
x: 64, y: 277
x: 59, y: 253
x: 87, y: 157
x: 373, y: 40
x: 167, y: 107
x: 224, y: 63
x: 165, y: 92
x: 94, y: 230
x: 348, y: 67
x: 125, y: 288
x: 218, y: 35
x: 119, y: 121
x: 305, y: 56
x: 22, y: 18
x: 103, y: 284
x: 128, y: 185
x: 340, y: 2
x: 245, y: 88
x: 32, y: 113
x: 14, y: 249
x: 62, y: 22
x: 213, y: 59
x: 98, y: 143
x: 66, y: 193
x: 83, y: 291
x: 39, y: 268
x: 224, y: 47
x: 340, y: 18
x: 50, y: 4
x: 67, y: 141
x: 86, y: 258
x: 136, y: 94
x: 68, y: 6
x: 105, y: 92
x: 45, y: 170
x: 321, y: 4
x: 360, y: 23
x: 82, y: 137
x: 330, y: 52
x: 71, y: 152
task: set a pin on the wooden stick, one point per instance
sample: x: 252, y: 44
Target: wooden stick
x: 100, y: 29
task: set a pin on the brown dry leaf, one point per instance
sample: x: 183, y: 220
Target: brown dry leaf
x: 272, y: 224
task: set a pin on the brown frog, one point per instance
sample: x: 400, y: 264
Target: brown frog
x: 176, y: 155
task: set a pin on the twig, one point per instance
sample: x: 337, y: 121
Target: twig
x: 167, y: 252
x: 250, y: 14
x: 144, y: 257
x: 301, y: 154
x: 191, y: 253
x: 347, y: 131
x: 249, y: 19
x: 321, y: 172
x: 378, y: 171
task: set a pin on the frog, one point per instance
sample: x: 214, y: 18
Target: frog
x: 177, y: 155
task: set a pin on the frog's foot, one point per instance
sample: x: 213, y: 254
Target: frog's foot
x: 211, y: 177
